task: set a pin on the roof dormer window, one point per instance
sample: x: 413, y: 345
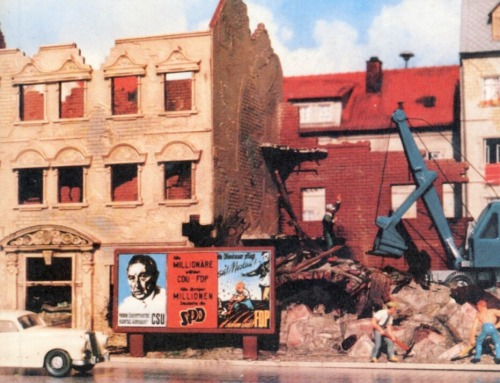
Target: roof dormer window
x: 324, y: 114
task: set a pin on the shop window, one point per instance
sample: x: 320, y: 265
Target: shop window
x: 125, y: 95
x: 178, y: 180
x: 49, y: 288
x: 399, y: 194
x: 319, y: 114
x: 313, y: 204
x: 71, y: 99
x: 124, y: 182
x: 30, y: 186
x: 70, y: 184
x: 178, y: 91
x: 32, y: 102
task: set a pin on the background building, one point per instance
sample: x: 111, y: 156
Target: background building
x: 349, y: 115
x: 480, y: 89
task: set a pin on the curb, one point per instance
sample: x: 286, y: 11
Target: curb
x: 309, y: 364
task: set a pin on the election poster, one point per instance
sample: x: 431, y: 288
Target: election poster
x: 198, y: 290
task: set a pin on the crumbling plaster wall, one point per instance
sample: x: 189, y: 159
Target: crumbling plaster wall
x: 247, y: 92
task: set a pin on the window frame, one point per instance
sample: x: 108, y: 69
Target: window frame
x: 314, y: 109
x: 41, y: 194
x: 137, y: 96
x: 191, y: 167
x: 192, y: 93
x: 403, y: 191
x: 305, y: 197
x: 81, y: 183
x: 60, y: 99
x: 22, y: 103
x: 113, y: 173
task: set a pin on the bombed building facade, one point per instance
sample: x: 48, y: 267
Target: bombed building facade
x: 130, y: 155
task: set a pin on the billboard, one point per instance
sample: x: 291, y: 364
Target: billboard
x: 194, y: 290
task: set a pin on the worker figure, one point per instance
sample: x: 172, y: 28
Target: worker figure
x: 382, y: 331
x: 329, y: 222
x: 489, y: 318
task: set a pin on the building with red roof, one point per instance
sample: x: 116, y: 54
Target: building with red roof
x: 349, y: 116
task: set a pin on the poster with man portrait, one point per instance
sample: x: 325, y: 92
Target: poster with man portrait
x: 142, y: 286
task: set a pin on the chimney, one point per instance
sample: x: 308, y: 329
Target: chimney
x: 374, y: 75
x: 2, y: 41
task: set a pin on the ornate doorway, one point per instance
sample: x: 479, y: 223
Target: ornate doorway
x: 51, y: 268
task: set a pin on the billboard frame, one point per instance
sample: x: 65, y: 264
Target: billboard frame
x: 241, y: 262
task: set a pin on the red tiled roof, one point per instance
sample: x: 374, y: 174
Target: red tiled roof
x: 367, y: 111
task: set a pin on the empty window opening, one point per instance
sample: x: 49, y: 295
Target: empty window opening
x: 125, y: 95
x: 124, y: 186
x: 32, y: 102
x: 399, y: 194
x: 313, y: 204
x: 70, y: 184
x: 178, y: 91
x: 30, y: 186
x: 178, y: 180
x: 71, y: 99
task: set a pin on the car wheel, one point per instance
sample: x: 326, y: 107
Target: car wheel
x: 58, y: 363
x: 458, y: 279
x: 84, y: 368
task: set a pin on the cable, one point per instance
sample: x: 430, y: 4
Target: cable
x: 462, y: 157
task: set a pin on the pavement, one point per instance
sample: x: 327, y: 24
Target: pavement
x: 309, y: 364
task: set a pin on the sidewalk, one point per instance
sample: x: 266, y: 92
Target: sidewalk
x: 310, y: 364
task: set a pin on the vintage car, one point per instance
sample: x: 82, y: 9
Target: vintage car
x: 26, y: 341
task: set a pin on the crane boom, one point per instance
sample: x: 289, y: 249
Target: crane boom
x: 389, y: 241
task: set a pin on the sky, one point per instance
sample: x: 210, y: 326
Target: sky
x: 309, y: 36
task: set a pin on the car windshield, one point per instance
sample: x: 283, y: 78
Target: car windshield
x: 30, y: 320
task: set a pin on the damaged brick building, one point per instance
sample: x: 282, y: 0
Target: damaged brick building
x: 349, y: 116
x: 163, y: 137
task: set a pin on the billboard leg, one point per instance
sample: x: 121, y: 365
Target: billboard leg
x: 250, y: 347
x: 136, y: 345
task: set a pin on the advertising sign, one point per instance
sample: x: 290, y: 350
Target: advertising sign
x: 194, y: 290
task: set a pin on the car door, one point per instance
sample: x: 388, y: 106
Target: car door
x: 10, y: 340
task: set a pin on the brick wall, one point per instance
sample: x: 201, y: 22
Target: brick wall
x: 125, y: 95
x: 247, y: 91
x: 178, y: 95
x: 33, y: 106
x: 73, y: 105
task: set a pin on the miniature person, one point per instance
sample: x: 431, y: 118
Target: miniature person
x: 329, y: 222
x: 489, y: 318
x: 240, y: 299
x: 382, y: 331
x: 146, y: 295
x: 263, y: 271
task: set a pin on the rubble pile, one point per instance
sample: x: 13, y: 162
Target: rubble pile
x: 429, y: 320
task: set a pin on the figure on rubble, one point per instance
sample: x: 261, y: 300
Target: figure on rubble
x: 329, y: 222
x: 489, y: 319
x: 382, y: 331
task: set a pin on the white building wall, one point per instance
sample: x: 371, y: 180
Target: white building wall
x: 479, y: 122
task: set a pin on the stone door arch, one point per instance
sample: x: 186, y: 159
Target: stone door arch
x: 50, y: 270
